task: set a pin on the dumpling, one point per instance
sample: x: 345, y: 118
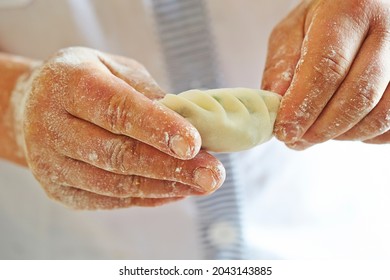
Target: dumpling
x: 230, y: 119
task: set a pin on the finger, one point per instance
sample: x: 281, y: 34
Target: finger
x: 109, y: 102
x: 83, y: 200
x: 359, y: 93
x: 299, y: 145
x: 381, y: 139
x: 284, y: 48
x: 82, y: 141
x: 95, y: 180
x: 302, y: 144
x: 374, y: 124
x: 134, y: 74
x: 326, y: 57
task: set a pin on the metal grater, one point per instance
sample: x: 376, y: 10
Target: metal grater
x: 191, y: 62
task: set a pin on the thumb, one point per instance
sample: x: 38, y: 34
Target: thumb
x: 133, y: 73
x: 284, y: 50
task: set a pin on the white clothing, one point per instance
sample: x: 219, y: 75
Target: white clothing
x: 331, y: 201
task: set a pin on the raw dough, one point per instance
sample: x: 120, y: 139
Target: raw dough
x: 228, y: 120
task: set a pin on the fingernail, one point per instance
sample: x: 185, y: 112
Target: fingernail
x: 179, y: 146
x: 205, y: 178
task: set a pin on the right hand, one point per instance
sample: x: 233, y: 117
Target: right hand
x: 95, y: 139
x: 330, y: 61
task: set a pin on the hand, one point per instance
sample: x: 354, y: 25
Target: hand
x: 331, y: 61
x: 95, y: 139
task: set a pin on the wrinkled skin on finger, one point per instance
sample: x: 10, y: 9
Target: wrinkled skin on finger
x: 95, y: 138
x: 331, y: 62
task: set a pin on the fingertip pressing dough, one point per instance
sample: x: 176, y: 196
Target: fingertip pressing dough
x: 230, y: 119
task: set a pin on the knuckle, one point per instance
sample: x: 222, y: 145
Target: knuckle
x: 61, y: 175
x: 134, y: 186
x: 382, y: 35
x: 49, y: 172
x: 72, y: 49
x: 332, y: 66
x: 365, y: 98
x: 67, y: 55
x: 320, y: 134
x: 121, y: 154
x: 118, y: 114
x: 381, y: 122
x: 360, y: 8
x: 126, y: 186
x: 68, y: 196
x: 177, y: 170
x: 53, y: 192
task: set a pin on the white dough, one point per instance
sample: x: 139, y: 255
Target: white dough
x: 230, y: 119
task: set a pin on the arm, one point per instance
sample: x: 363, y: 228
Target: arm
x: 330, y: 60
x: 88, y: 126
x: 12, y: 68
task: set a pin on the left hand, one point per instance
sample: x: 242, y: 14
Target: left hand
x: 331, y: 61
x: 91, y: 132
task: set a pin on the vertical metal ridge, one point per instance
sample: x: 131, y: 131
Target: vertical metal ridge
x: 185, y: 37
x: 191, y: 62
